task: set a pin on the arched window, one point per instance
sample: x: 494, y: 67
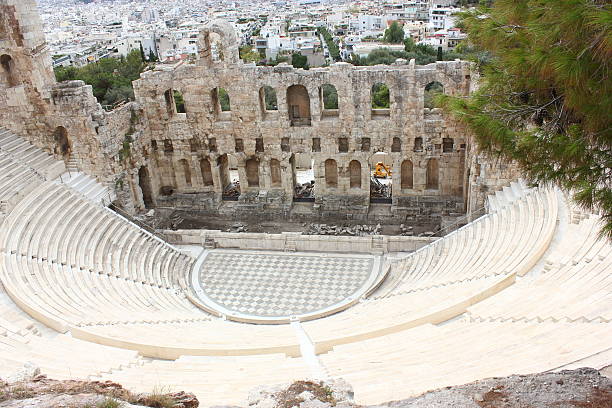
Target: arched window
x: 224, y: 100
x: 207, y: 178
x: 220, y: 100
x: 267, y: 96
x: 275, y: 173
x: 62, y: 144
x: 355, y: 174
x: 331, y: 173
x: 186, y: 171
x: 169, y: 99
x: 432, y: 174
x: 298, y: 102
x: 407, y: 176
x: 179, y: 102
x: 8, y: 69
x: 329, y: 96
x: 144, y: 181
x: 396, y: 146
x: 431, y: 90
x: 380, y: 96
x: 252, y: 172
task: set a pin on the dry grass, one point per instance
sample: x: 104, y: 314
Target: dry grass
x: 291, y: 396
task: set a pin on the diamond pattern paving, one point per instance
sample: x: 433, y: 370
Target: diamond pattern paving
x: 273, y: 285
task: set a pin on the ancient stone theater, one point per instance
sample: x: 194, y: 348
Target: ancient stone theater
x: 498, y: 276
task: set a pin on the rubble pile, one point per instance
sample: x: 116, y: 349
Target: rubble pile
x: 237, y: 227
x: 305, y: 190
x: 232, y: 190
x: 378, y: 189
x: 406, y: 230
x: 354, y: 230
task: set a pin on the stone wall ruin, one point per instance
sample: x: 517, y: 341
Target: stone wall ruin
x: 260, y: 125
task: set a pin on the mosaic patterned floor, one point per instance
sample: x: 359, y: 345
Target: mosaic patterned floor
x: 278, y: 284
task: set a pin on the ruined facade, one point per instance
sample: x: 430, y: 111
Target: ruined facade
x: 266, y: 123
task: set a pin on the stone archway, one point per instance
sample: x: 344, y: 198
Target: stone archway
x: 433, y: 170
x: 298, y: 103
x: 62, y: 145
x: 144, y: 182
x: 252, y: 172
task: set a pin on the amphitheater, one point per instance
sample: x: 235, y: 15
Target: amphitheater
x: 88, y: 293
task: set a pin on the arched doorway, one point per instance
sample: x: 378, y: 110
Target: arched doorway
x: 144, y: 181
x: 62, y: 144
x: 8, y: 69
x: 432, y: 174
x: 298, y: 103
x: 331, y: 173
x: 355, y: 174
x: 207, y: 178
x: 252, y: 172
x: 275, y: 173
x: 407, y: 179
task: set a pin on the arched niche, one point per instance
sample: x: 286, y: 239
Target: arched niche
x: 331, y: 173
x: 432, y: 177
x: 8, y: 70
x: 275, y: 173
x: 252, y: 172
x: 298, y: 103
x: 62, y: 145
x: 407, y: 176
x: 355, y: 174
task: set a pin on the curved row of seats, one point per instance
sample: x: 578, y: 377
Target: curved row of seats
x: 429, y: 357
x: 576, y: 284
x: 57, y: 355
x: 80, y: 268
x: 442, y: 280
x: 23, y: 167
x: 509, y: 240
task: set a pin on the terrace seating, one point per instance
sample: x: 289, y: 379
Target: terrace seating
x: 215, y: 380
x: 58, y: 355
x: 441, y: 280
x: 447, y: 314
x: 427, y: 357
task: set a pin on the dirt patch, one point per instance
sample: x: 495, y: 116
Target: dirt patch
x: 42, y: 391
x: 294, y: 395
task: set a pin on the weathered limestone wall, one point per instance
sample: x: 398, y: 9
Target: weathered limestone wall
x: 263, y: 143
x: 295, y: 241
x: 155, y: 156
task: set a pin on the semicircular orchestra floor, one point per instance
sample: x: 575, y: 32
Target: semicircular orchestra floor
x: 275, y: 285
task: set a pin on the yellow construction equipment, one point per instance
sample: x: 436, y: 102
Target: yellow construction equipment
x: 382, y: 171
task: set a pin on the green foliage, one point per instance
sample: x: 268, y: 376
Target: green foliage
x: 224, y: 100
x: 545, y: 97
x: 380, y: 96
x: 109, y: 402
x: 152, y: 56
x: 330, y: 96
x: 270, y: 98
x: 279, y: 58
x: 394, y: 34
x: 111, y: 78
x: 299, y: 61
x: 431, y: 91
x: 248, y: 54
x: 179, y: 102
x: 422, y: 54
x: 334, y: 51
